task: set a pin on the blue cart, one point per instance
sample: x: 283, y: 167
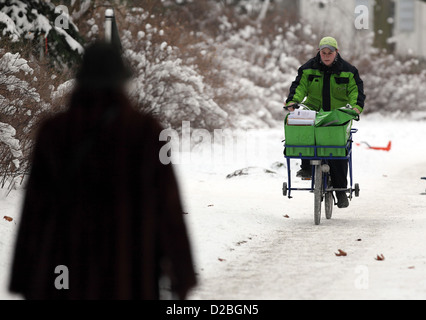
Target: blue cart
x: 320, y: 180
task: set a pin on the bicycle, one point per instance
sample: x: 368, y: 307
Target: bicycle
x: 320, y: 177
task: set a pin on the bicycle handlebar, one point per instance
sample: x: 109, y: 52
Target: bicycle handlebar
x: 296, y: 106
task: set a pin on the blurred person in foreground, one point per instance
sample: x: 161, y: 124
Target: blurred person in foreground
x: 98, y: 201
x: 327, y: 82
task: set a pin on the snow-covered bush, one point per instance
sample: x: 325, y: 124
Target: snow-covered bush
x: 7, y: 136
x: 391, y: 82
x: 28, y: 93
x: 47, y: 29
x: 163, y: 83
x: 17, y: 97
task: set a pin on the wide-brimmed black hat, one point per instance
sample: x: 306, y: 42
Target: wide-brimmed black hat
x: 103, y: 67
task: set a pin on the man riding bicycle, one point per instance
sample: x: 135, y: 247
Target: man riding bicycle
x: 327, y: 82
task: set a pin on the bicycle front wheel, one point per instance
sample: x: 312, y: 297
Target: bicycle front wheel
x: 317, y: 194
x: 329, y: 201
x: 329, y: 204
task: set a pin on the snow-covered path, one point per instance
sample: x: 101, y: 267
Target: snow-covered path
x: 291, y: 258
x: 250, y: 242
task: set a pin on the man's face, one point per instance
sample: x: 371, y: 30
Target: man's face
x: 328, y: 56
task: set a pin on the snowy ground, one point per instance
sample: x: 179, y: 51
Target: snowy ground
x: 250, y: 242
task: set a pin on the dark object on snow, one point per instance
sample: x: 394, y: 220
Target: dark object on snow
x: 247, y: 171
x: 100, y: 205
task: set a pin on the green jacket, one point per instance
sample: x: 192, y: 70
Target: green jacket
x: 327, y: 88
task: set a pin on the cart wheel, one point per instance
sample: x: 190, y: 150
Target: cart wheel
x: 329, y: 202
x: 356, y: 190
x: 285, y: 189
x: 317, y: 194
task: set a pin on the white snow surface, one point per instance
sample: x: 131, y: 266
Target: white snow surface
x: 251, y: 242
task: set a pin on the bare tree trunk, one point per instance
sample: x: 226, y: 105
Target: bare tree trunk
x: 263, y: 11
x: 383, y: 29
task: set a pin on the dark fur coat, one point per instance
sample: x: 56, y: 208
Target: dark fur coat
x: 99, y: 202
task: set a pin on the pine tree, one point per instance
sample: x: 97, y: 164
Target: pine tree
x: 43, y: 27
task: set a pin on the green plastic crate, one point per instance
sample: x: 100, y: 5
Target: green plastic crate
x: 299, y: 136
x: 332, y: 136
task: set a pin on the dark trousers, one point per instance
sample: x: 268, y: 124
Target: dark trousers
x: 338, y: 172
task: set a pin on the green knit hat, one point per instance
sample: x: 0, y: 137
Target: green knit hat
x: 328, y: 42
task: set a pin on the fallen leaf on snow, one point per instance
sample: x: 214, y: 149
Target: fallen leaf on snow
x: 221, y: 260
x: 286, y: 216
x: 7, y: 218
x: 380, y: 257
x: 341, y: 253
